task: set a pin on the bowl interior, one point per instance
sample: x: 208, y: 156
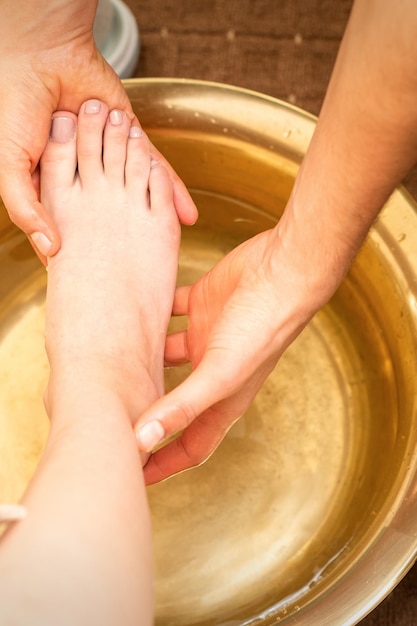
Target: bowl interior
x: 313, y: 490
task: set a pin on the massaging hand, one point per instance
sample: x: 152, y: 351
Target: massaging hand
x: 48, y: 61
x: 238, y: 327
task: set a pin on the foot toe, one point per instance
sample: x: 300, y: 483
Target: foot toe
x: 59, y: 160
x: 116, y: 135
x: 138, y: 161
x: 91, y: 122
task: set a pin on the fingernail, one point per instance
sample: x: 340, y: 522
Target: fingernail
x: 41, y: 241
x: 116, y: 117
x: 149, y: 435
x: 62, y: 129
x: 135, y: 131
x: 92, y: 106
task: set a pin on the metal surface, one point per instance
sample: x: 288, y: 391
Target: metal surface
x: 307, y: 513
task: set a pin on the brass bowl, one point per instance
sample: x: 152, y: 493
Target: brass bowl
x: 307, y: 512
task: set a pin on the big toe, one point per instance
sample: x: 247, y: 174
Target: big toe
x: 59, y: 160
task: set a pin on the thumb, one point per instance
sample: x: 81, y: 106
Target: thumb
x: 207, y: 385
x: 22, y: 204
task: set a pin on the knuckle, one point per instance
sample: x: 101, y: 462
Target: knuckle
x: 186, y: 414
x: 193, y: 455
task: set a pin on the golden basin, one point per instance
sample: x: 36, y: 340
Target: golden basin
x: 307, y: 513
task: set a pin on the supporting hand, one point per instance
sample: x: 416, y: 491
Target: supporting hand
x: 49, y: 61
x: 238, y: 328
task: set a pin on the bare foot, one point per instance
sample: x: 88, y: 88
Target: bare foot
x: 111, y: 286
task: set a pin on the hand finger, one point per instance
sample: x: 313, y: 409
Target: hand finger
x: 181, y: 299
x: 160, y: 184
x: 42, y: 258
x: 195, y: 445
x: 36, y: 181
x: 203, y: 388
x: 176, y: 351
x: 186, y: 209
x: 25, y: 210
x: 135, y: 121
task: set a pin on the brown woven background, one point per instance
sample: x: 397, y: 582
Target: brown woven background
x: 284, y: 48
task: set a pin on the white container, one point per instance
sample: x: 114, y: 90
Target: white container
x: 116, y: 34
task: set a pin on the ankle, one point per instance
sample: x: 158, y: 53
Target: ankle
x: 82, y: 387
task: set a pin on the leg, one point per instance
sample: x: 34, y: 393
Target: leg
x: 82, y: 555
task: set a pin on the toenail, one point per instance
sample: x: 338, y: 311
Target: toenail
x: 62, y: 129
x: 92, y: 106
x: 116, y: 117
x: 135, y: 131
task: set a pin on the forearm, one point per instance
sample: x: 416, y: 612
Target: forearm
x: 364, y: 144
x: 29, y: 26
x: 368, y: 125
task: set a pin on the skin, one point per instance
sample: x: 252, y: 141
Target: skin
x: 120, y: 238
x: 245, y: 312
x: 49, y: 62
x: 365, y: 142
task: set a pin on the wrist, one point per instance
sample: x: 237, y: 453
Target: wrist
x: 45, y: 25
x: 310, y: 256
